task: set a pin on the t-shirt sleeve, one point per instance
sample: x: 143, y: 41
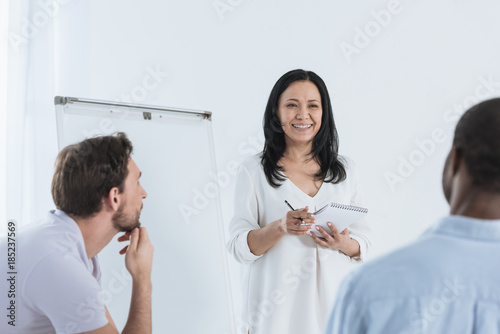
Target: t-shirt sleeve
x: 245, y: 218
x: 61, y: 288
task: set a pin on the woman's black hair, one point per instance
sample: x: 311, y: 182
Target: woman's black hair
x: 325, y: 143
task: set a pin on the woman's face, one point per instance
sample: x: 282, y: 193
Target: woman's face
x: 300, y: 111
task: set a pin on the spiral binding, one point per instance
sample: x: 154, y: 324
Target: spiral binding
x: 349, y: 207
x: 342, y: 206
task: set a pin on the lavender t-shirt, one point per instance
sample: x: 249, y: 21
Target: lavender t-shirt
x: 58, y: 287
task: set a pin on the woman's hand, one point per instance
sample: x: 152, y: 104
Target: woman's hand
x: 292, y: 223
x: 262, y: 239
x: 339, y: 241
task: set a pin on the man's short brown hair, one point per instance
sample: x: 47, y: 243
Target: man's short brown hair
x: 85, y: 173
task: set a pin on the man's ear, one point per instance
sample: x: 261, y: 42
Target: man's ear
x: 113, y: 199
x: 456, y: 160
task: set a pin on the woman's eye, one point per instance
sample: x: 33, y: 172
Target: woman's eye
x: 313, y: 106
x: 291, y: 105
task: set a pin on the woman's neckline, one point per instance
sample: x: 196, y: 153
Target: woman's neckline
x: 298, y: 188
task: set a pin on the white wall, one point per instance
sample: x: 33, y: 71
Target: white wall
x: 417, y: 73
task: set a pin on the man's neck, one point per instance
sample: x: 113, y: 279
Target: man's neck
x: 97, y: 232
x: 477, y: 204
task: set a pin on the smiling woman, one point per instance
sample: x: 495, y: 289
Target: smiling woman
x: 296, y: 102
x: 292, y: 275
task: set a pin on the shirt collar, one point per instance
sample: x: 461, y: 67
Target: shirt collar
x: 468, y: 228
x: 69, y: 222
x: 65, y: 218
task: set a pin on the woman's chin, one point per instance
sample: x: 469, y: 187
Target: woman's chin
x: 305, y: 139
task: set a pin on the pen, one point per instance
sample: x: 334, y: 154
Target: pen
x: 292, y: 209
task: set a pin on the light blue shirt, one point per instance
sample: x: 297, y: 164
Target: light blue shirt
x: 448, y: 281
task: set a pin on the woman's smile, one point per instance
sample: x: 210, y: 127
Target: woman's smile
x: 302, y: 127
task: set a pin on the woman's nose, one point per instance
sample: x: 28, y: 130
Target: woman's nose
x: 302, y: 113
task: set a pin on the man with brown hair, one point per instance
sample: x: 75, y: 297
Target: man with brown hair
x: 97, y: 193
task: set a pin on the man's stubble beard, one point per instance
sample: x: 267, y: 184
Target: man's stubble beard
x: 126, y: 222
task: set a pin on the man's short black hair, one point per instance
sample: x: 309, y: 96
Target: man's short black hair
x: 477, y: 138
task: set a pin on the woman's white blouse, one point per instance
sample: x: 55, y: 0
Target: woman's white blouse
x: 291, y: 288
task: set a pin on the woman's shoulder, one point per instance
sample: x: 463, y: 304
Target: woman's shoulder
x: 350, y: 168
x: 347, y: 162
x: 252, y: 164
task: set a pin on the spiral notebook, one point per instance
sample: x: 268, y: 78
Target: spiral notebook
x: 340, y: 215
